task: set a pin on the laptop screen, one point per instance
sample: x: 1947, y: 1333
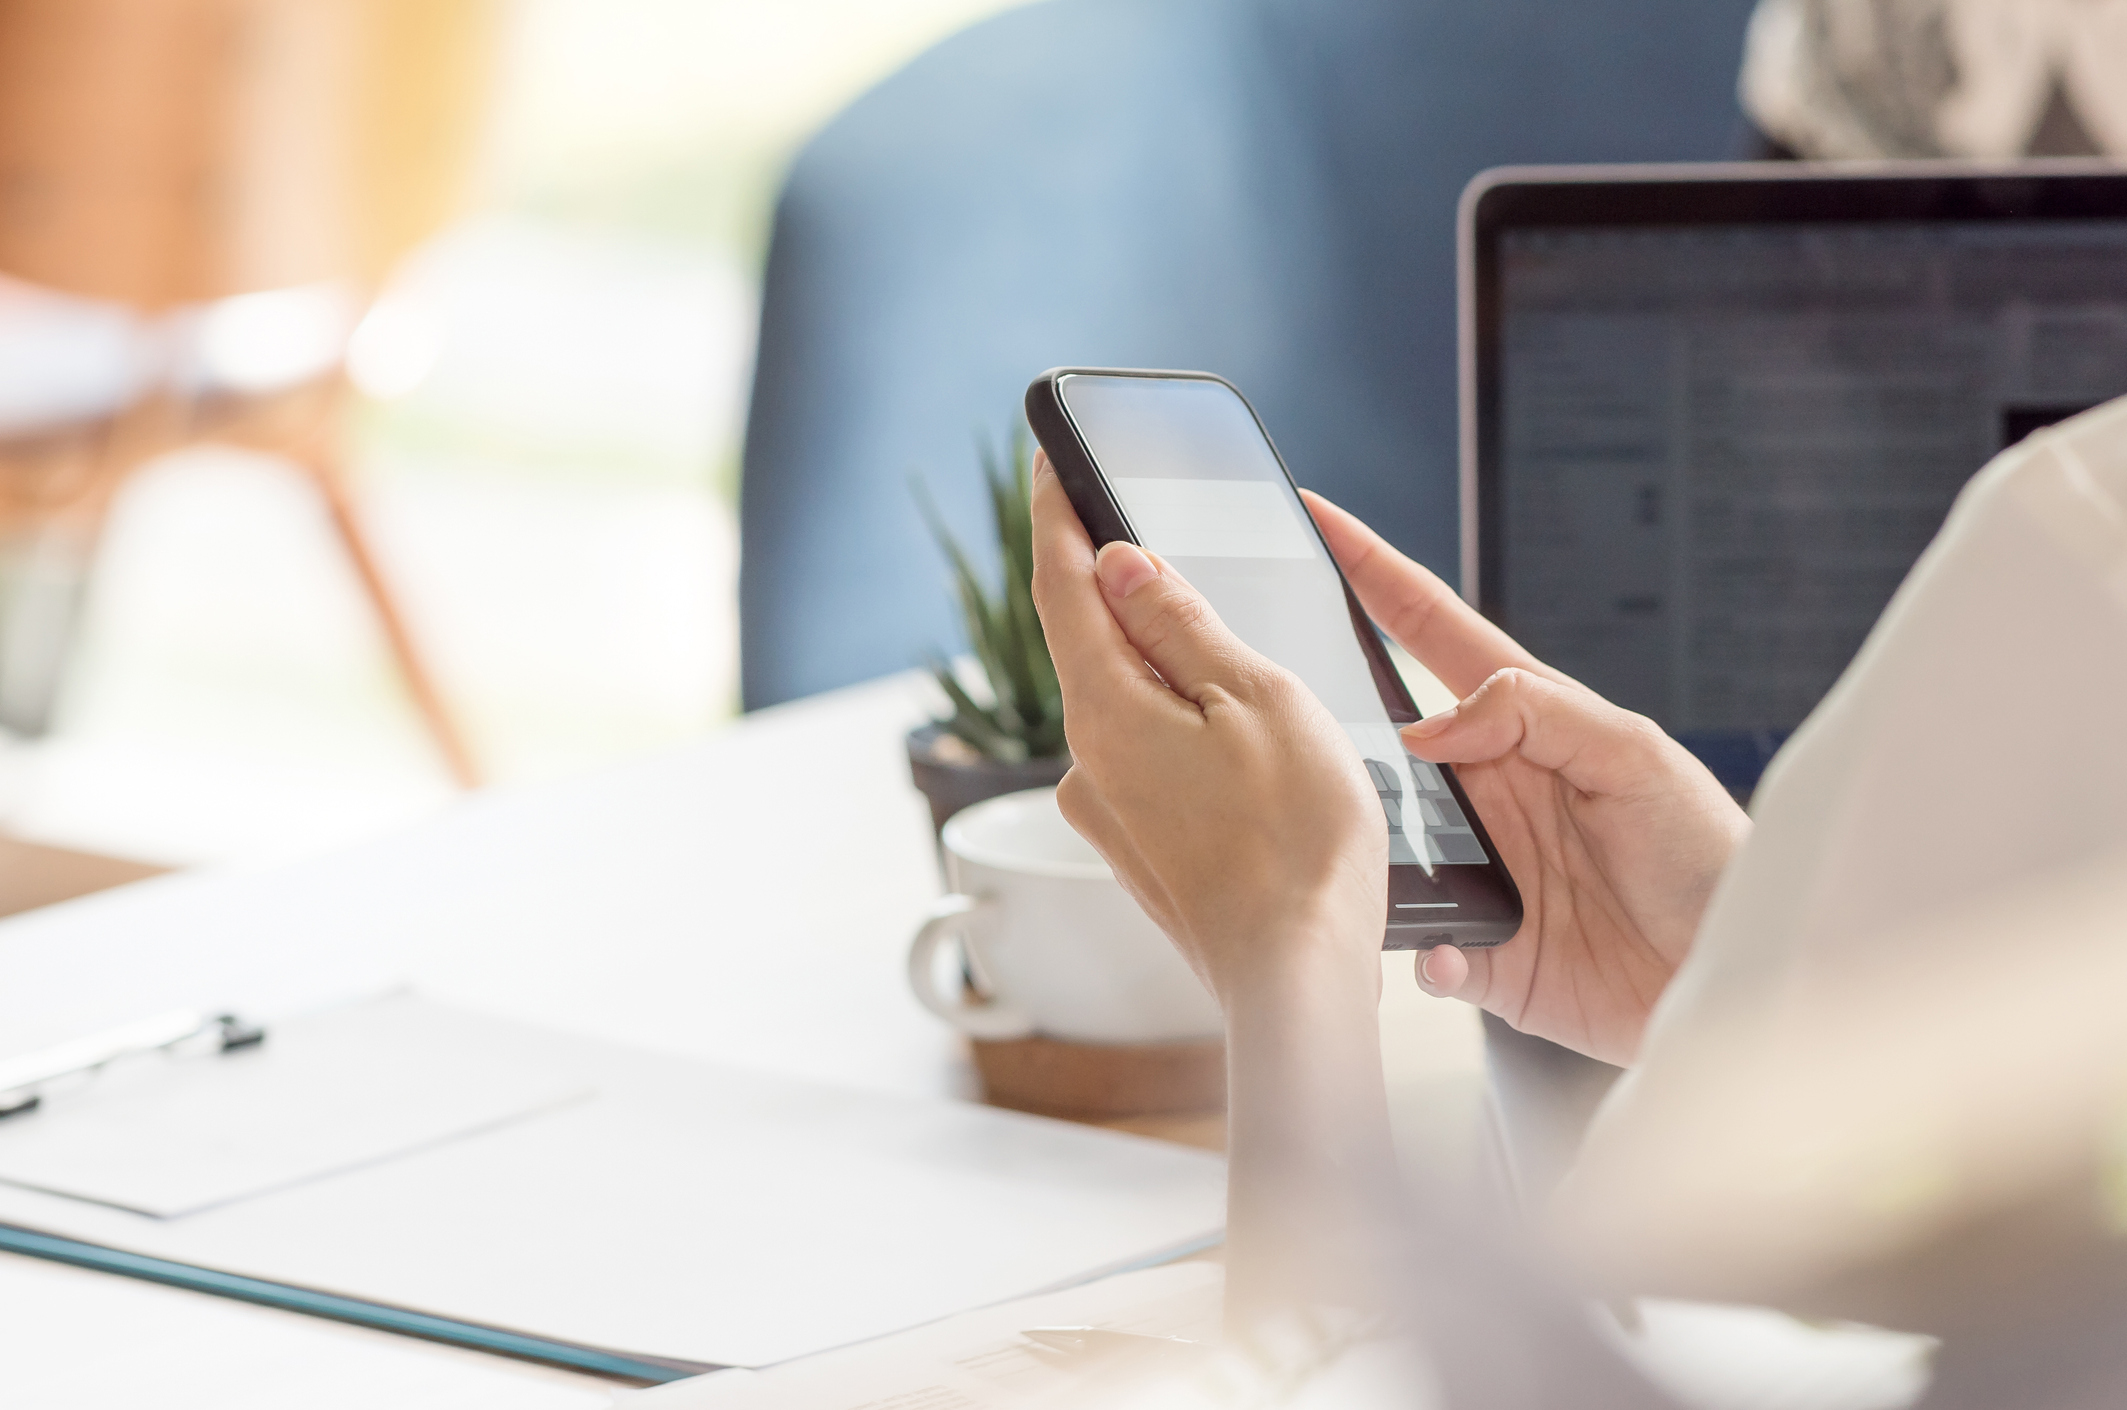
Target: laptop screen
x: 1720, y: 447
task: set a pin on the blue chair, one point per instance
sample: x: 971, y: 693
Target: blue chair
x: 1263, y: 188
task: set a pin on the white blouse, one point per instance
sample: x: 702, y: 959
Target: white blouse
x: 1907, y: 1004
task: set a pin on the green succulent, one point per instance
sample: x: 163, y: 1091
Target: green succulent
x: 1026, y: 719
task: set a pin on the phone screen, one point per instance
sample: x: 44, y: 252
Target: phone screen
x: 1192, y: 471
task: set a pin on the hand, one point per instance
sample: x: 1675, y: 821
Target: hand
x: 1219, y: 790
x: 1613, y: 831
x: 1242, y: 819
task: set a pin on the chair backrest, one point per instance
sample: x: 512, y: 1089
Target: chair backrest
x: 1261, y: 188
x: 160, y: 152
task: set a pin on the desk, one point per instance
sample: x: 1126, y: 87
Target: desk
x: 747, y: 900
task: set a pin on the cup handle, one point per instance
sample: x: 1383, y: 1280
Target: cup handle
x: 983, y: 1018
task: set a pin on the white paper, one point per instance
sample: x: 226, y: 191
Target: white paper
x: 701, y: 1213
x: 170, y: 1136
x: 973, y: 1362
x: 692, y: 1210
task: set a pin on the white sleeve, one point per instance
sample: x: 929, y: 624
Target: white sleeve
x: 1946, y: 834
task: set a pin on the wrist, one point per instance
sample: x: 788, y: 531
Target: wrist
x: 1316, y: 963
x: 1313, y: 1171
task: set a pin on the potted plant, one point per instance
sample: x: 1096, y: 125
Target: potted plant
x: 1012, y: 739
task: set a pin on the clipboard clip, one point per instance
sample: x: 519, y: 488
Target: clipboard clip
x: 23, y: 1079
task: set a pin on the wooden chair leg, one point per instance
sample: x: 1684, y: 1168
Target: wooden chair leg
x: 320, y: 457
x: 442, y: 723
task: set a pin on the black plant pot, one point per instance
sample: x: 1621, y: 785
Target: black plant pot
x: 953, y: 776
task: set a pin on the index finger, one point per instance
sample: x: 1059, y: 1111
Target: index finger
x: 1421, y: 613
x: 1091, y: 653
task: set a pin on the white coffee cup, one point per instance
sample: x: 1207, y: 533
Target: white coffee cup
x: 1054, y: 946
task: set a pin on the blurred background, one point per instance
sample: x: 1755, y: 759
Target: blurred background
x: 543, y: 442
x: 378, y: 378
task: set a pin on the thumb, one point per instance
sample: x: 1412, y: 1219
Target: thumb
x: 1168, y: 621
x: 1590, y: 743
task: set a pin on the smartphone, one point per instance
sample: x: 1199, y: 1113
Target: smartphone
x: 1179, y: 462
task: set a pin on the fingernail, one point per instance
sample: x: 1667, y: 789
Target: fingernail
x: 1425, y: 967
x: 1123, y: 568
x: 1041, y: 464
x: 1431, y: 724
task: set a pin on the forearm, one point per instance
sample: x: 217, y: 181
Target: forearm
x: 1312, y: 1182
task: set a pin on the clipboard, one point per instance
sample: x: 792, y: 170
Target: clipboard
x: 675, y: 1216
x: 140, y: 1125
x: 383, y: 1317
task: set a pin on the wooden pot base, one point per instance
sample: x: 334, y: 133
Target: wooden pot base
x: 1102, y: 1081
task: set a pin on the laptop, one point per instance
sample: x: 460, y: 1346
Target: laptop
x: 1711, y: 415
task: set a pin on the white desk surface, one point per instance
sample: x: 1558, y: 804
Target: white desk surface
x: 746, y: 900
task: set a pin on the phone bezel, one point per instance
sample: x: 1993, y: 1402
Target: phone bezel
x: 1106, y: 522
